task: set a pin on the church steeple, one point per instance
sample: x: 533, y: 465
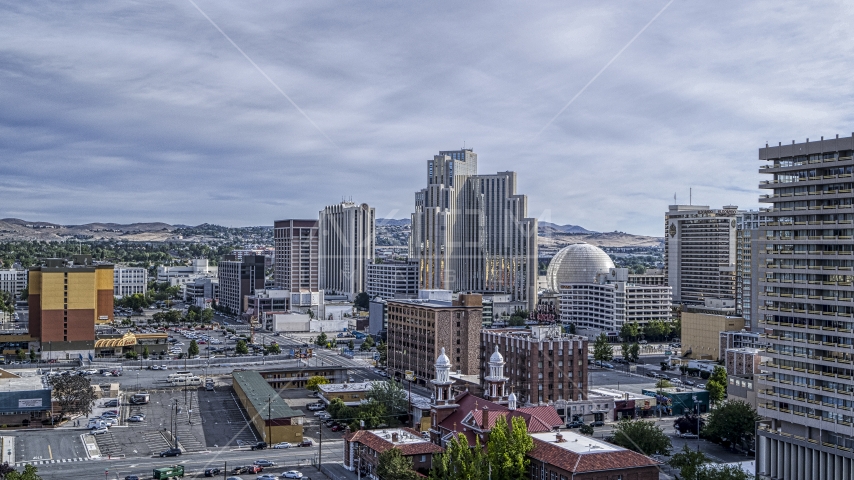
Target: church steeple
x: 496, y: 381
x: 443, y: 397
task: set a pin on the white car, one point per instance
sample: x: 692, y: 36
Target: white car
x: 292, y: 474
x: 101, y: 431
x: 282, y: 445
x: 266, y: 476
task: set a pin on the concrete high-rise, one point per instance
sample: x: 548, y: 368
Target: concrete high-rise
x: 347, y: 240
x: 297, y: 262
x: 470, y: 232
x: 700, y: 254
x: 66, y: 300
x: 746, y: 264
x: 806, y: 303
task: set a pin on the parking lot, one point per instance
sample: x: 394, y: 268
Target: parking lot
x: 223, y: 419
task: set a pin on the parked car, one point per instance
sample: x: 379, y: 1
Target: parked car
x: 135, y: 418
x: 172, y: 452
x: 267, y: 476
x: 282, y: 445
x: 575, y: 424
x: 701, y: 385
x: 689, y: 383
x: 306, y: 443
x: 111, y: 421
x: 689, y: 435
x: 597, y: 423
x: 336, y: 428
x: 292, y: 474
x: 131, y: 477
x: 210, y: 472
x: 315, y: 406
x: 259, y: 446
x: 265, y: 463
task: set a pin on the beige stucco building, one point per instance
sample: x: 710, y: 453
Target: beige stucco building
x: 701, y: 333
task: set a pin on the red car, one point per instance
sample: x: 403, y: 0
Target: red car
x: 202, y: 342
x: 335, y: 428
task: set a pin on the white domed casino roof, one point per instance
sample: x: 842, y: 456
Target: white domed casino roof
x: 496, y: 357
x: 443, y: 360
x: 577, y: 263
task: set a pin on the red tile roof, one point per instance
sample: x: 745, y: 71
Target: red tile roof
x: 373, y: 440
x: 552, y: 454
x: 538, y: 419
x: 546, y: 413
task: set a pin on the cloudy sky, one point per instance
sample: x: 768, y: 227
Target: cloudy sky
x: 240, y: 113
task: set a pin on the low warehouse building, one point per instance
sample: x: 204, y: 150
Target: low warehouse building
x: 24, y: 401
x: 297, y: 377
x: 274, y: 419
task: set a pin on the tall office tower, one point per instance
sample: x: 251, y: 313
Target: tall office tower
x: 806, y: 304
x: 13, y: 281
x: 347, y: 240
x: 66, y: 300
x: 297, y: 263
x: 239, y: 279
x: 469, y: 231
x: 699, y: 254
x: 746, y: 264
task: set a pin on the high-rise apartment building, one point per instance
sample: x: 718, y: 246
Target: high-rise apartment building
x: 66, y: 300
x: 418, y: 329
x: 238, y: 279
x: 389, y: 279
x: 700, y: 253
x: 470, y: 232
x: 297, y: 263
x: 347, y: 240
x: 129, y: 281
x: 806, y: 303
x: 541, y: 364
x: 746, y: 264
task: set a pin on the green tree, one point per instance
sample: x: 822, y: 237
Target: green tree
x: 367, y: 344
x: 586, y: 429
x: 634, y: 352
x: 663, y: 383
x: 690, y: 423
x: 274, y: 349
x: 602, y: 350
x: 723, y: 472
x: 363, y: 301
x: 29, y: 473
x: 733, y: 420
x: 25, y: 293
x: 130, y: 355
x: 629, y: 332
x: 145, y: 352
x: 382, y: 349
x: 717, y: 384
x: 193, y: 349
x: 374, y: 414
x: 688, y: 462
x: 642, y: 437
x: 351, y: 345
x: 241, y: 348
x: 207, y: 315
x: 507, y: 449
x: 322, y: 339
x: 73, y: 394
x: 392, y: 465
x: 7, y: 302
x: 32, y: 356
x: 571, y: 329
x: 391, y: 394
x: 314, y: 381
x: 518, y: 318
x: 460, y: 461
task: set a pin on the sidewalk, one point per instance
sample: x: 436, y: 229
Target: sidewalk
x: 7, y: 445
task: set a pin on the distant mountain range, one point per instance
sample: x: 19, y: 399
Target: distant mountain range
x: 392, y: 222
x: 545, y: 228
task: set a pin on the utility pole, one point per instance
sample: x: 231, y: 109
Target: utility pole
x: 320, y: 445
x: 269, y: 420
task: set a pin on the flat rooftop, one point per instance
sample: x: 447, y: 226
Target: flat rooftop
x: 404, y: 437
x: 260, y: 393
x: 23, y: 384
x: 345, y: 387
x: 576, y: 443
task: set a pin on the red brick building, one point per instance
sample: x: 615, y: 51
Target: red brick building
x: 362, y: 449
x: 567, y: 455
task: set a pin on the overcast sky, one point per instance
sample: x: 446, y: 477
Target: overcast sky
x: 145, y: 111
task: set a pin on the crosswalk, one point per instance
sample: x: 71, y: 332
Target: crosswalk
x: 58, y: 460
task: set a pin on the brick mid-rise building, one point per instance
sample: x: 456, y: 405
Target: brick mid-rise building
x: 566, y: 454
x: 418, y: 329
x: 541, y: 364
x: 66, y: 300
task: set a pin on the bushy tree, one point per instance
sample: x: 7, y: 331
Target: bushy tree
x: 688, y: 462
x: 634, y: 352
x: 351, y: 345
x: 630, y: 331
x: 460, y: 461
x: 322, y: 339
x: 73, y: 394
x: 29, y: 473
x: 663, y: 383
x: 602, y: 350
x: 193, y: 349
x: 689, y: 423
x: 733, y: 420
x: 586, y: 429
x: 390, y: 394
x: 145, y: 352
x: 518, y: 318
x: 393, y: 465
x: 241, y: 348
x: 274, y: 349
x: 641, y: 436
x: 507, y: 449
x: 315, y: 381
x: 367, y: 344
x: 362, y: 301
x: 717, y: 384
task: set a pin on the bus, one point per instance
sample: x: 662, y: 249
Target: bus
x: 186, y: 381
x: 175, y: 375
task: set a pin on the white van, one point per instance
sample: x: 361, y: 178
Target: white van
x: 186, y: 381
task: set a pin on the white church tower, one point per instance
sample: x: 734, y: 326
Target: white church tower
x: 496, y: 381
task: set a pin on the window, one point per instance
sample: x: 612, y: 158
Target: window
x: 423, y: 458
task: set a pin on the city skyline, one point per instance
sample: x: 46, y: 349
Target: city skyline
x: 141, y: 113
